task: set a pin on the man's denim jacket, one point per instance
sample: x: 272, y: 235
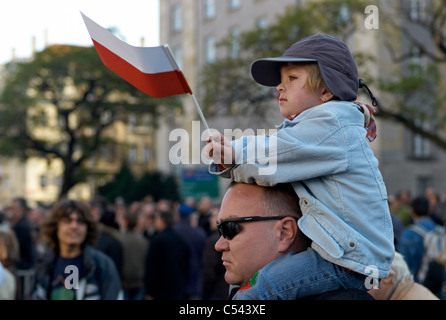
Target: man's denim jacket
x: 324, y: 154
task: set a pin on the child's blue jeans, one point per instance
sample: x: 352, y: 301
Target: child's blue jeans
x: 298, y: 275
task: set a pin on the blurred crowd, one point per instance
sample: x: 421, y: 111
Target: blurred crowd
x: 143, y: 239
x: 147, y: 241
x: 422, y: 251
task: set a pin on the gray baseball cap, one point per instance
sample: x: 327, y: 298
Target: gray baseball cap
x: 335, y: 61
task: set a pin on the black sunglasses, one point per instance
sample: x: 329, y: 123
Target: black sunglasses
x: 229, y: 228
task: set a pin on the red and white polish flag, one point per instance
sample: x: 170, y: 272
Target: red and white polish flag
x: 153, y: 70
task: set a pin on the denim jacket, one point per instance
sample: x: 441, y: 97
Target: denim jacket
x: 324, y: 154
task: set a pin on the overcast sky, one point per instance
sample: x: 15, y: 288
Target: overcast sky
x: 60, y: 22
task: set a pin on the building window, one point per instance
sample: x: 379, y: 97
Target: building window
x: 133, y: 154
x: 211, y: 50
x: 209, y: 9
x: 421, y: 147
x: 417, y: 62
x: 132, y: 122
x: 58, y: 181
x: 344, y: 15
x: 60, y: 121
x: 43, y: 119
x: 177, y: 18
x: 234, y: 4
x: 235, y: 43
x: 146, y: 154
x: 106, y: 117
x: 262, y: 23
x: 43, y: 181
x: 178, y: 54
x: 416, y: 10
x: 106, y: 153
x: 145, y: 123
x: 422, y: 183
x: 415, y: 57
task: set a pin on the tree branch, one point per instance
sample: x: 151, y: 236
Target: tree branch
x: 410, y: 123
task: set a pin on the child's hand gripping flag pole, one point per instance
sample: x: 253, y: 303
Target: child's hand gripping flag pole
x: 153, y: 70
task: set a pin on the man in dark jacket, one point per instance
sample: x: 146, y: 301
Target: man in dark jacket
x: 167, y: 264
x: 23, y: 230
x: 196, y: 238
x: 109, y: 238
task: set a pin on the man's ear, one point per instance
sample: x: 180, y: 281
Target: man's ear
x: 288, y: 232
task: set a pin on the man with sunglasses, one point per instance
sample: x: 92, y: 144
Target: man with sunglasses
x: 258, y: 228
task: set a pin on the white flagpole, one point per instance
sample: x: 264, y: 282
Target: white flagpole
x: 202, y: 116
x: 200, y: 113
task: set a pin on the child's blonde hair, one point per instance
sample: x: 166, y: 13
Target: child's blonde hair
x: 314, y: 80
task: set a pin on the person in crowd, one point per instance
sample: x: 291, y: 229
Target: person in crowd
x: 146, y: 220
x: 135, y: 247
x: 195, y: 237
x: 398, y: 226
x: 119, y: 208
x: 164, y: 205
x: 4, y: 222
x: 23, y: 229
x: 401, y: 207
x: 36, y: 216
x: 214, y: 285
x: 71, y: 268
x: 167, y: 263
x: 7, y: 284
x: 411, y: 244
x: 259, y: 231
x: 9, y: 255
x: 400, y: 285
x: 24, y: 232
x: 203, y: 211
x: 443, y: 202
x: 436, y: 209
x: 109, y: 240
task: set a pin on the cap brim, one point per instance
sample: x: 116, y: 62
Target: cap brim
x: 267, y: 71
